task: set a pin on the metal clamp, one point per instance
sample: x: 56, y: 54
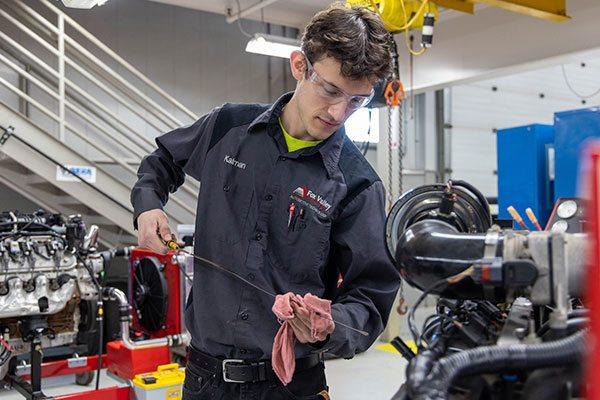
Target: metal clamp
x: 8, y: 132
x: 227, y: 362
x: 492, y: 237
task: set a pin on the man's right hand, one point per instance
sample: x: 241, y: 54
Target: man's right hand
x: 151, y: 224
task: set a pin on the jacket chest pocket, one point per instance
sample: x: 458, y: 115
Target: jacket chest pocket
x: 299, y: 240
x: 230, y: 198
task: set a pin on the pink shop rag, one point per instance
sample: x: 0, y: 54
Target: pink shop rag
x: 283, y: 358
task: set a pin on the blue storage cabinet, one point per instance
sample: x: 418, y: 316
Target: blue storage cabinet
x: 572, y: 129
x: 523, y: 173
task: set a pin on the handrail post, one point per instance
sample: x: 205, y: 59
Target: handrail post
x: 61, y: 76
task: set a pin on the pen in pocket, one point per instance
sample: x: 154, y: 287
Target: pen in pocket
x: 291, y: 210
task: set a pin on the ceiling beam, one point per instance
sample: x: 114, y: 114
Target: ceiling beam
x: 458, y: 5
x: 551, y: 10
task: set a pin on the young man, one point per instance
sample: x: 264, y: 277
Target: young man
x: 289, y: 203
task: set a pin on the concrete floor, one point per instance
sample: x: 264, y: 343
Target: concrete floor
x: 375, y: 374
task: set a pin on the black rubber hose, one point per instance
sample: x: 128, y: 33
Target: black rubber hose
x: 480, y: 197
x: 100, y: 340
x: 492, y: 359
x: 420, y: 367
x: 431, y: 250
x: 109, y: 254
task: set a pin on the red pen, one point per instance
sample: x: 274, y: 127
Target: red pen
x: 291, y: 210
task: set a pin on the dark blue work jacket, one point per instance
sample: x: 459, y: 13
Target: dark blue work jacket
x: 245, y: 221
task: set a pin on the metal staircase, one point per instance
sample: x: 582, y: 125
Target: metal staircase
x: 66, y: 111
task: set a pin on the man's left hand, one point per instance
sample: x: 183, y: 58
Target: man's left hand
x: 301, y: 323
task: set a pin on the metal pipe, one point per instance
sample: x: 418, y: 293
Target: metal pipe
x: 110, y: 92
x: 61, y: 78
x: 32, y: 14
x: 29, y: 54
x: 60, y: 33
x: 29, y: 32
x: 191, y: 190
x: 63, y: 125
x: 123, y: 164
x: 61, y: 16
x: 440, y: 135
x: 110, y: 293
x: 189, y: 187
x: 29, y: 76
x: 247, y: 11
x: 37, y: 105
x: 94, y: 144
x: 120, y: 60
x: 112, y: 116
x: 147, y: 100
x: 92, y: 100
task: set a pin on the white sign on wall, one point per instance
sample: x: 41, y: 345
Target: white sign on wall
x: 86, y: 173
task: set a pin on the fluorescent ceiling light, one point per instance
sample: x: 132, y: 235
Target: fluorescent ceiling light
x: 269, y: 45
x: 85, y: 4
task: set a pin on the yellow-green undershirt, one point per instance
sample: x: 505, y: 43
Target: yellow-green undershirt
x: 294, y: 144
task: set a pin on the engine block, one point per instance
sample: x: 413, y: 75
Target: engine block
x: 47, y: 268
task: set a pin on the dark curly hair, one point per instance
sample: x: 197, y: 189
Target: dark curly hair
x: 356, y: 37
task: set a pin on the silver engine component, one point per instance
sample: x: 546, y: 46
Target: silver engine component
x: 38, y: 276
x: 47, y: 268
x: 560, y: 259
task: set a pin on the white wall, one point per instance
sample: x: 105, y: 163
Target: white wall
x: 476, y: 110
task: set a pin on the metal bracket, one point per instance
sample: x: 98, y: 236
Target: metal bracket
x: 8, y: 132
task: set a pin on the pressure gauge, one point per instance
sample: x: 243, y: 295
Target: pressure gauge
x: 560, y: 226
x: 567, y: 209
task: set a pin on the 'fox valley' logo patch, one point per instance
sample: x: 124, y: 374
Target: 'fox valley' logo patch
x: 313, y: 200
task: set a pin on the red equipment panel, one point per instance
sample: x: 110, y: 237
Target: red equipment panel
x: 126, y: 363
x: 172, y: 275
x: 592, y: 160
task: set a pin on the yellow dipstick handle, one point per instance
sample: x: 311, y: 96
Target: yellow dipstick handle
x: 517, y: 217
x: 172, y: 245
x: 533, y: 219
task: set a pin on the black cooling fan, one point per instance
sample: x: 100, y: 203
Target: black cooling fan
x: 150, y: 294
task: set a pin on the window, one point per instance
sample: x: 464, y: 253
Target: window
x: 357, y: 126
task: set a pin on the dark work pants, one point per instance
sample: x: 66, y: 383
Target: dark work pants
x: 201, y: 384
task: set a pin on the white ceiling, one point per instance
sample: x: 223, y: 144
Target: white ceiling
x: 493, y: 42
x: 293, y: 13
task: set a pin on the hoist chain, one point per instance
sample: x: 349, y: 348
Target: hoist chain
x: 400, y: 147
x: 390, y: 161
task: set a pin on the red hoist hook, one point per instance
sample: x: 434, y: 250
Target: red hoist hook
x: 394, y: 93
